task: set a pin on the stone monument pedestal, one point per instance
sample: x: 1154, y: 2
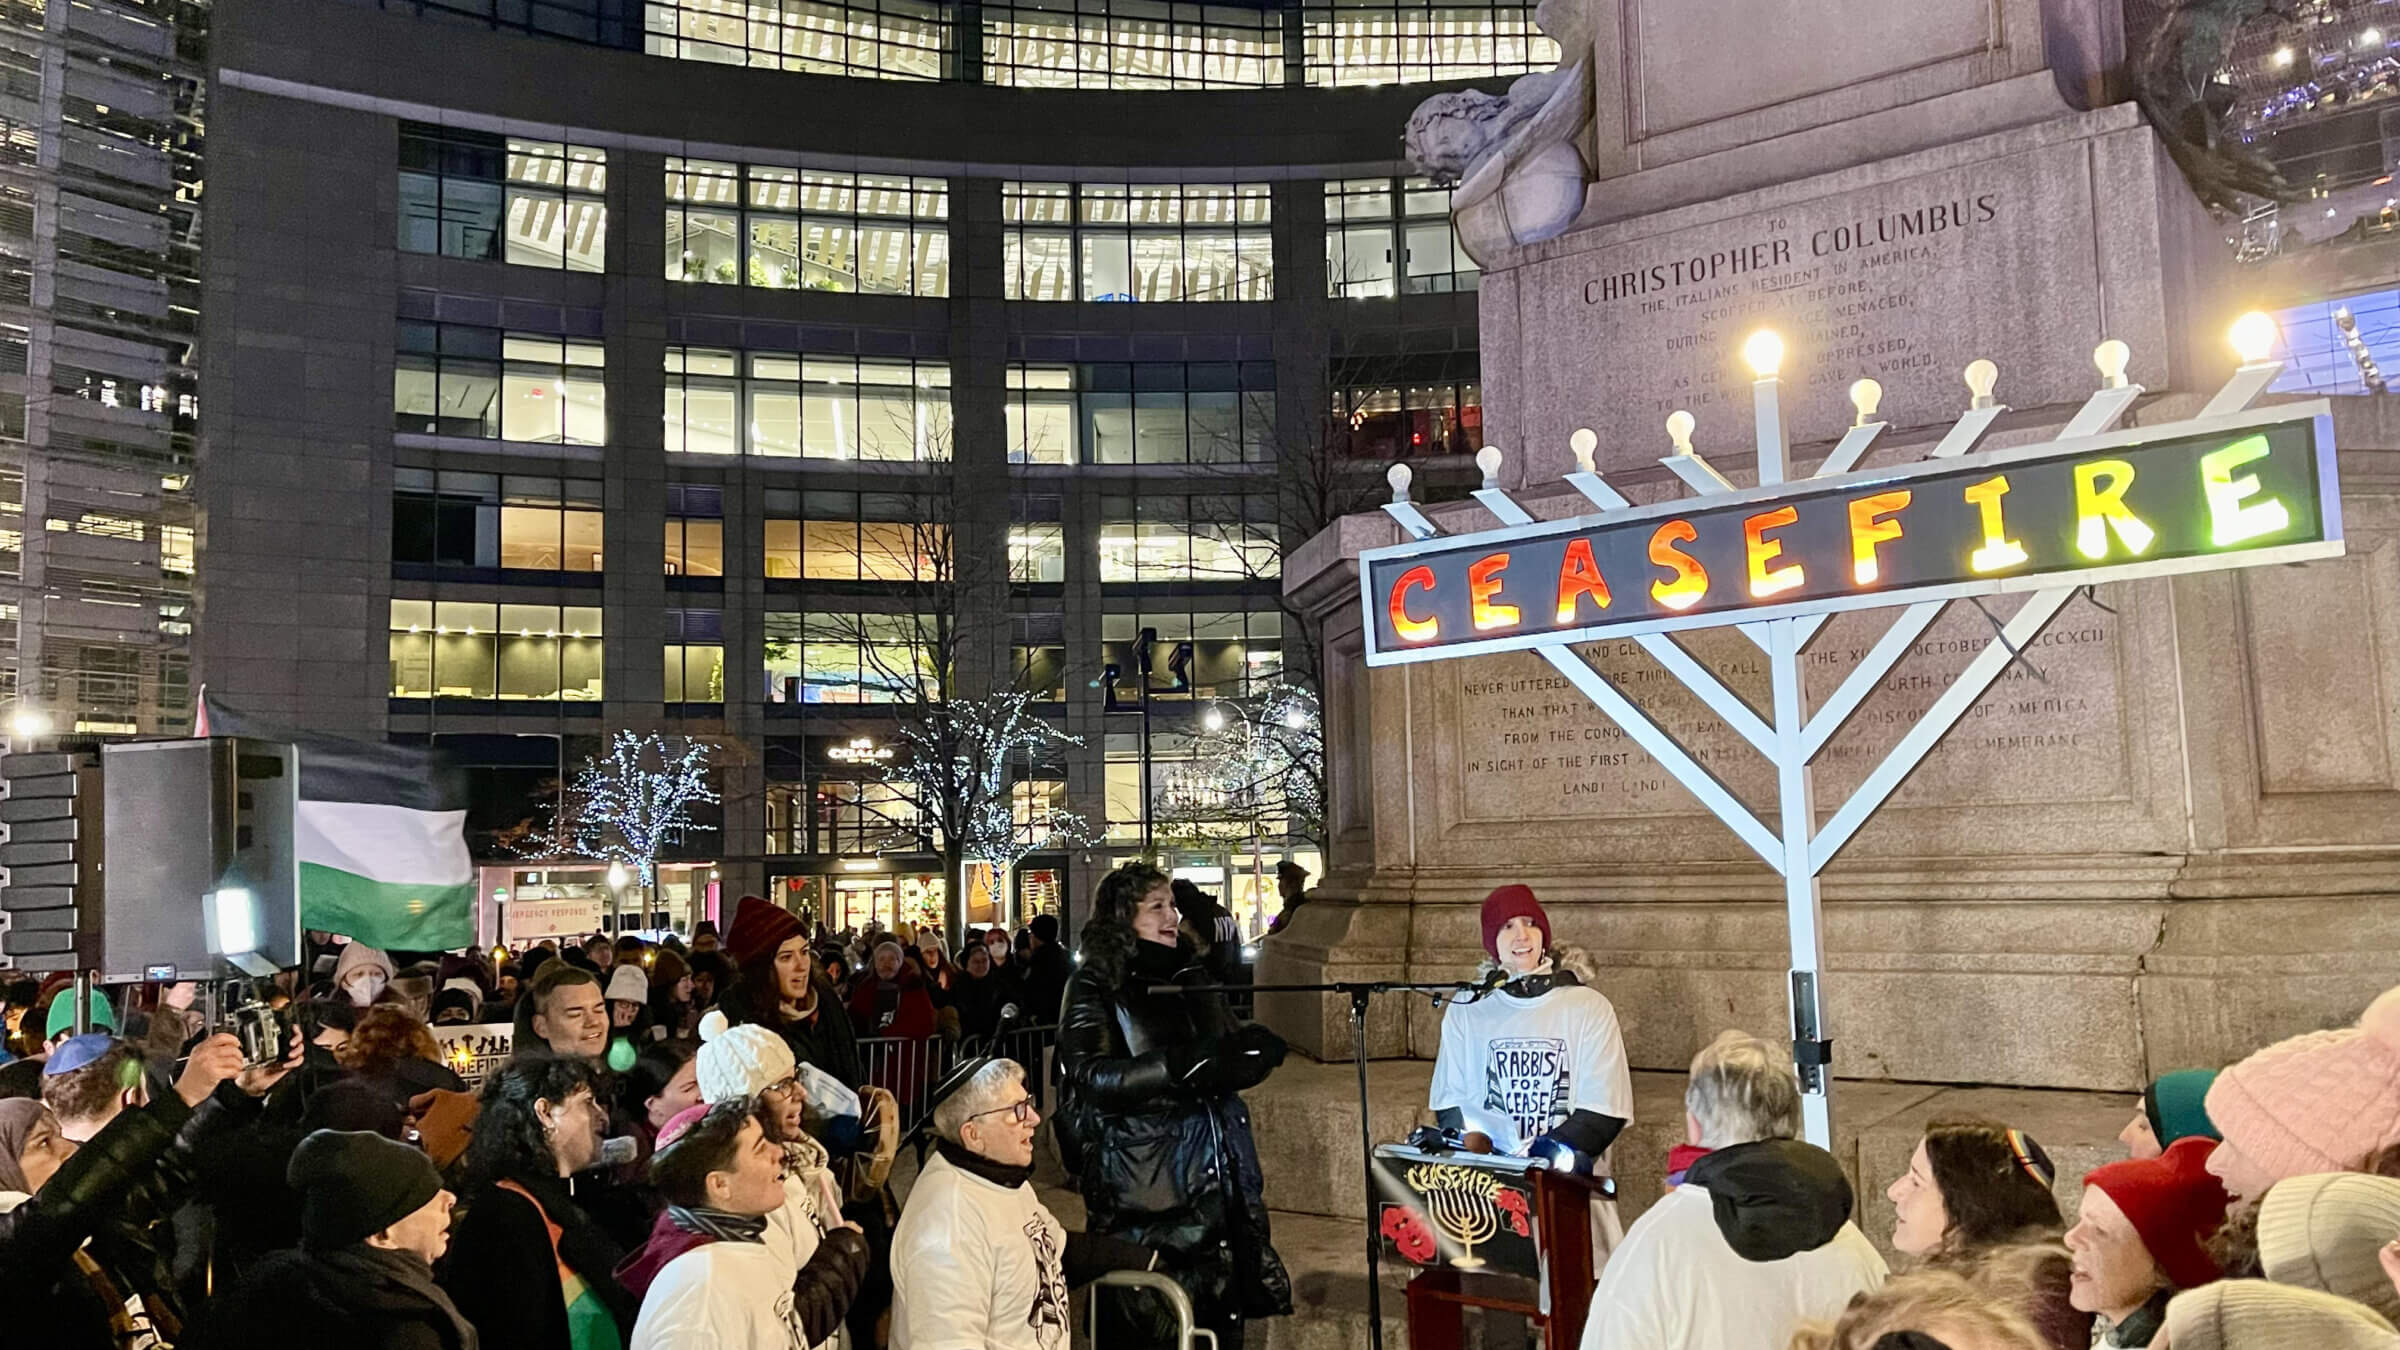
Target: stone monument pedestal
x: 2169, y: 833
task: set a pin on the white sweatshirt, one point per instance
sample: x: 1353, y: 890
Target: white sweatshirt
x: 721, y: 1296
x: 1517, y: 1067
x: 1674, y: 1284
x: 976, y: 1266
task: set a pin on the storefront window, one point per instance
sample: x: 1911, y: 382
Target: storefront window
x: 469, y: 194
x: 458, y: 649
x: 1138, y: 241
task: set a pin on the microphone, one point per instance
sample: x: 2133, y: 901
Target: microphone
x: 618, y: 1151
x: 1498, y: 977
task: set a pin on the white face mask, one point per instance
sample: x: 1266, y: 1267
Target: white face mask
x: 364, y: 986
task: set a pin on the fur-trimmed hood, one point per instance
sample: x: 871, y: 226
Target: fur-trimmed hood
x: 1574, y: 961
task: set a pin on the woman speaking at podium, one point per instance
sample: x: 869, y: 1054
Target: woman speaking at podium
x: 1535, y: 1066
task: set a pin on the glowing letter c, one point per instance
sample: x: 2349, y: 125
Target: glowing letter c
x: 1413, y: 630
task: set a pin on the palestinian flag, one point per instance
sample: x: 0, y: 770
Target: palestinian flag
x: 380, y: 833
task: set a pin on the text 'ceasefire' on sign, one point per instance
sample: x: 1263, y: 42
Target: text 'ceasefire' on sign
x: 2256, y: 488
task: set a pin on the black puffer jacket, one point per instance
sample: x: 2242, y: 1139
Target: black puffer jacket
x: 1153, y: 1101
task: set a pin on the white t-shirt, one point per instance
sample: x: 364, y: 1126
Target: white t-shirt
x: 977, y: 1266
x: 1517, y: 1067
x: 721, y: 1296
x: 1674, y: 1284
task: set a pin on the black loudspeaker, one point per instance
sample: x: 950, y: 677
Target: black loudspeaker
x: 198, y: 862
x: 49, y: 858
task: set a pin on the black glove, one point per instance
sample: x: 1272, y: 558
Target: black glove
x: 822, y: 1293
x: 1241, y: 1061
x: 1271, y: 1049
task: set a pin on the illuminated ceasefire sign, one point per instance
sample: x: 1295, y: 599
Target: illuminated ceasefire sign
x: 2228, y: 488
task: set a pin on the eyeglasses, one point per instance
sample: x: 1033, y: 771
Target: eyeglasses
x: 783, y: 1088
x: 1020, y: 1111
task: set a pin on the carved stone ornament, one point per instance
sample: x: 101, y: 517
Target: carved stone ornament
x: 1514, y: 158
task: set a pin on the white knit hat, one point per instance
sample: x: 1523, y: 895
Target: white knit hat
x: 739, y: 1061
x: 2323, y: 1232
x: 2241, y: 1314
x: 629, y: 984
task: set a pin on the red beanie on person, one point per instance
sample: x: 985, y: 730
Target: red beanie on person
x: 2173, y: 1203
x: 759, y: 927
x: 1511, y: 902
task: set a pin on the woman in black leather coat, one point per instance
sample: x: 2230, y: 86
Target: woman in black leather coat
x: 1166, y: 1157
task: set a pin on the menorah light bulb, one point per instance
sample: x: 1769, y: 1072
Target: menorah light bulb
x: 1585, y: 443
x: 1981, y: 376
x: 1866, y: 396
x: 1764, y: 351
x: 1679, y: 430
x: 2254, y: 336
x: 2111, y: 357
x: 1488, y: 459
x: 1398, y: 476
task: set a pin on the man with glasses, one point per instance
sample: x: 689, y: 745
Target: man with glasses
x: 978, y: 1260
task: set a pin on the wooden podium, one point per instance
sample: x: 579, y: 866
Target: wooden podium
x: 1488, y: 1231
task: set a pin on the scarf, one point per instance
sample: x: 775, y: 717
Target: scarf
x: 719, y: 1225
x: 380, y: 1270
x: 2140, y: 1326
x: 18, y: 1115
x: 997, y: 1173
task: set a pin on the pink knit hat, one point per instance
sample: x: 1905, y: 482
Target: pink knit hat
x: 2319, y: 1102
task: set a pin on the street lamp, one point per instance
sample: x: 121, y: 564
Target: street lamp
x: 616, y: 898
x: 27, y: 723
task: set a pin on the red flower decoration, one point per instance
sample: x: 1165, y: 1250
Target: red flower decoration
x: 1512, y: 1203
x: 1407, y: 1230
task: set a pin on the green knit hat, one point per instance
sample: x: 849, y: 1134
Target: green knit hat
x: 2177, y: 1104
x: 62, y: 1013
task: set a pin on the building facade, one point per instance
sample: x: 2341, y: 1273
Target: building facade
x: 101, y: 110
x: 724, y: 370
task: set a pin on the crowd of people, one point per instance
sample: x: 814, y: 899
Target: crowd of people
x: 2258, y: 1207
x: 688, y: 1147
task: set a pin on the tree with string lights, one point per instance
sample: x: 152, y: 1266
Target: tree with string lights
x: 957, y: 773
x: 628, y: 804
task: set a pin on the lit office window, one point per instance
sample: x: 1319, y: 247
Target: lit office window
x: 806, y: 229
x: 785, y: 405
x: 1131, y: 44
x: 1037, y: 541
x: 695, y: 527
x: 486, y: 520
x: 1172, y: 537
x: 1203, y: 654
x: 855, y: 536
x: 453, y: 380
x: 1405, y: 407
x: 1138, y: 241
x: 1396, y: 42
x: 695, y: 656
x: 853, y: 658
x: 469, y: 194
x: 457, y: 649
x: 1153, y: 412
x: 876, y: 39
x: 1387, y: 236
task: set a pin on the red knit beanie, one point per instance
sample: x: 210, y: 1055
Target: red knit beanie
x: 2173, y: 1203
x: 759, y: 927
x: 1511, y: 902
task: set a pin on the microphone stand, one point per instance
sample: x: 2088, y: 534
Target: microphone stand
x: 1360, y: 991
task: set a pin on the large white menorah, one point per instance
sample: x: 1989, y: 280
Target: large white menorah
x: 1789, y: 734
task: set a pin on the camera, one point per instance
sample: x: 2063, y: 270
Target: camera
x: 261, y: 1030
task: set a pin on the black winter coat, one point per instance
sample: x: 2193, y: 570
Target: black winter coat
x: 115, y: 1191
x: 354, y: 1299
x: 500, y: 1272
x: 1156, y: 1154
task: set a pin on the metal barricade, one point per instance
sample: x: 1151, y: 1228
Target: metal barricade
x: 1179, y: 1302
x: 908, y: 1067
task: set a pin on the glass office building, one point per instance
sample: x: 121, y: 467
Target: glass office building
x: 693, y: 384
